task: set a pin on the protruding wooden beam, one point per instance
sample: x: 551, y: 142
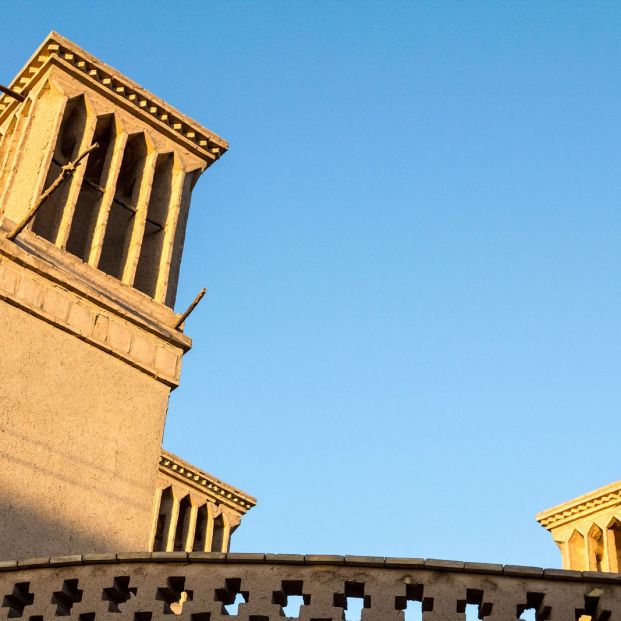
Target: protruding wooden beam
x: 11, y: 93
x: 192, y: 306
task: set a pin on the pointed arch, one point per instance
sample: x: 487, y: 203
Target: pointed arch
x: 596, y: 548
x: 613, y: 544
x: 183, y: 523
x: 92, y: 189
x: 577, y: 552
x: 163, y: 520
x: 72, y: 128
x: 218, y: 541
x: 123, y: 208
x: 152, y: 243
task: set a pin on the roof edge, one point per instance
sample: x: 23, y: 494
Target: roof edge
x: 570, y: 508
x: 119, y: 85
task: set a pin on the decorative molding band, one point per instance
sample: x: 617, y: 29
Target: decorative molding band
x: 175, y: 468
x: 602, y: 498
x: 55, y: 47
x: 41, y: 297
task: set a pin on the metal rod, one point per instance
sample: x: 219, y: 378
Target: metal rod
x: 11, y: 93
x: 66, y: 171
x: 192, y: 306
x: 116, y: 200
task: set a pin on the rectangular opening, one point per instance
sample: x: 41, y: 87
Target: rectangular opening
x: 159, y: 202
x: 92, y: 189
x: 123, y: 208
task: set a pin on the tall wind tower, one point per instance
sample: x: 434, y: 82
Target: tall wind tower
x: 90, y: 347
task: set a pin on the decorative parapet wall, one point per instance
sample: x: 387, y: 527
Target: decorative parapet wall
x: 193, y: 510
x: 258, y: 587
x: 587, y: 529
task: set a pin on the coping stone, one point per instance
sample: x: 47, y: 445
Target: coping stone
x: 323, y: 559
x: 432, y: 563
x: 75, y: 559
x: 34, y: 562
x: 396, y: 561
x: 4, y: 565
x: 170, y: 557
x: 292, y: 559
x: 104, y: 557
x: 523, y: 571
x: 563, y: 574
x: 204, y: 557
x: 483, y: 568
x: 366, y: 561
x: 601, y: 576
x: 245, y: 557
x: 129, y: 557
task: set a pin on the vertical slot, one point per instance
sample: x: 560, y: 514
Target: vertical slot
x: 183, y: 524
x: 217, y: 543
x: 159, y: 203
x: 201, y: 529
x: 178, y: 237
x: 92, y: 189
x: 73, y: 124
x: 163, y: 520
x: 123, y: 208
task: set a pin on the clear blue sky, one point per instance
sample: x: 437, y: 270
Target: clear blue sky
x: 412, y: 337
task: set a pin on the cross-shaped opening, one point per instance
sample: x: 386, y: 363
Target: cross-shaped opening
x: 66, y: 597
x: 18, y: 599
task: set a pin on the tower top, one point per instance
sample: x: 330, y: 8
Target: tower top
x: 163, y: 117
x: 124, y: 210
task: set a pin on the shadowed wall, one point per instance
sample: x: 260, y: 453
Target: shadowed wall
x: 80, y: 436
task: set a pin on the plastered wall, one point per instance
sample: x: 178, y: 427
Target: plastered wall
x: 80, y: 438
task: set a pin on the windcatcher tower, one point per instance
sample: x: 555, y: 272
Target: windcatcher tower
x: 90, y: 351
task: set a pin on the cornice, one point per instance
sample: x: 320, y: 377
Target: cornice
x: 177, y: 468
x: 601, y: 498
x: 208, y: 145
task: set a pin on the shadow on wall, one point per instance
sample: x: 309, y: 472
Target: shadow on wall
x: 26, y: 532
x: 54, y: 506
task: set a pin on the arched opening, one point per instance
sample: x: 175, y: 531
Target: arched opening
x: 577, y: 552
x: 123, y: 208
x: 159, y: 202
x: 201, y: 529
x: 163, y: 520
x: 217, y: 543
x: 67, y: 148
x: 596, y: 548
x: 183, y: 524
x: 614, y: 545
x: 92, y: 189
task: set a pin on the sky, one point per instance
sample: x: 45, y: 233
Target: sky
x: 411, y: 341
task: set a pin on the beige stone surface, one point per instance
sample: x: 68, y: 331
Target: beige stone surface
x: 80, y: 432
